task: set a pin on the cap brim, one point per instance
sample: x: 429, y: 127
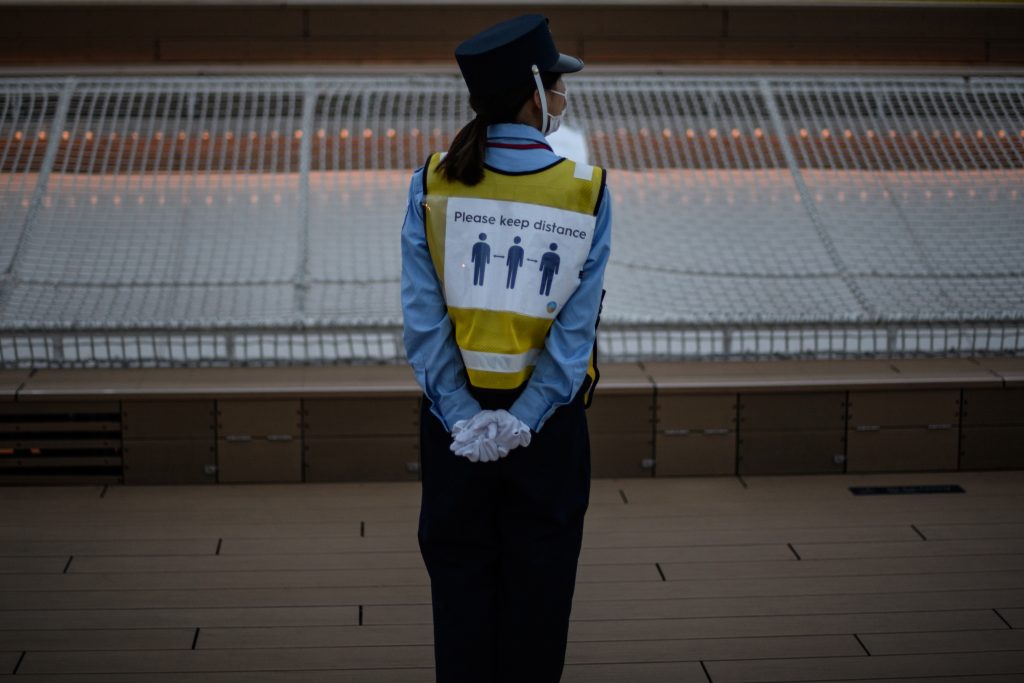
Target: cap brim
x: 566, y: 65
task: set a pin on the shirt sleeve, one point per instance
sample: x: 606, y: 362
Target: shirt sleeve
x: 562, y: 365
x: 427, y: 330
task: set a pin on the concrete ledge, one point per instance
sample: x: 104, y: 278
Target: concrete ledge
x: 173, y: 383
x: 360, y: 423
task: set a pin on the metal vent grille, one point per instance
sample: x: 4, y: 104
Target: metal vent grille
x: 166, y: 221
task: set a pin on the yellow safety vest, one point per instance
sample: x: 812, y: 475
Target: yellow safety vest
x: 509, y: 253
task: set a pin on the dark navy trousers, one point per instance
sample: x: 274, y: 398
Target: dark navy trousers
x: 501, y: 541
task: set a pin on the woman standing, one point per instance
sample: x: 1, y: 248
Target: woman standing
x: 504, y: 249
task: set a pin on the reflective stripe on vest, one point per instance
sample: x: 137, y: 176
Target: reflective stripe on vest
x: 509, y: 253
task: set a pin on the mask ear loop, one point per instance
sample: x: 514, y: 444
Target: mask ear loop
x: 543, y: 100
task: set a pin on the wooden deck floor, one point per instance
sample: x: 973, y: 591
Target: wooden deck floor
x: 706, y: 579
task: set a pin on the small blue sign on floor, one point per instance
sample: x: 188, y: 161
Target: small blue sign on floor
x: 897, y: 490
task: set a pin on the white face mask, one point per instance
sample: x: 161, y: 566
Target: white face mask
x: 550, y: 122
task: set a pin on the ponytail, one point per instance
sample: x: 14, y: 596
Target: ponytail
x: 465, y: 159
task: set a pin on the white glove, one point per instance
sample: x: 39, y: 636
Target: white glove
x: 512, y: 432
x: 475, y: 438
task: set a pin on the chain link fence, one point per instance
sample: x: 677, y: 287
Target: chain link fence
x: 171, y: 221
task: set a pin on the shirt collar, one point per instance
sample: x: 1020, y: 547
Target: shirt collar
x: 519, y: 131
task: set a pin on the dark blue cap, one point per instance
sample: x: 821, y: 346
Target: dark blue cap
x: 499, y: 59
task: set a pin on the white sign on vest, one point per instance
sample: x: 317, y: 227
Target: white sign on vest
x: 511, y: 256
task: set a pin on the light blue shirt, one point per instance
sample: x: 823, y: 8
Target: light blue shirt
x: 428, y: 334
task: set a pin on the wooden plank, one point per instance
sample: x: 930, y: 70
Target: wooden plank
x: 782, y: 625
x: 192, y: 618
x: 712, y: 648
x: 259, y: 461
x: 371, y: 560
x: 841, y: 567
x: 313, y: 546
x: 808, y: 512
x: 258, y: 418
x: 840, y: 523
x: 276, y: 659
x: 398, y: 614
x: 200, y: 581
x: 903, y: 450
x: 704, y: 411
x: 725, y: 513
x: 761, y: 605
x: 292, y: 578
x: 975, y: 483
x: 647, y: 672
x: 782, y: 375
x: 972, y: 531
x: 993, y: 407
x: 799, y: 411
x: 788, y: 452
x: 9, y: 660
x: 23, y: 548
x: 221, y: 563
x: 334, y: 495
x: 252, y: 597
x: 791, y: 586
x: 621, y: 412
x: 326, y: 417
x: 655, y: 592
x: 103, y: 528
x: 214, y: 638
x: 726, y: 536
x: 169, y: 461
x: 695, y: 453
x: 180, y: 383
x: 992, y: 448
x: 51, y: 640
x: 168, y: 419
x: 931, y: 549
x: 736, y: 553
x: 903, y: 408
x: 361, y: 458
x: 1013, y: 616
x: 939, y: 642
x: 623, y: 454
x: 62, y: 426
x: 100, y: 441
x: 35, y: 565
x: 745, y: 606
x: 842, y: 668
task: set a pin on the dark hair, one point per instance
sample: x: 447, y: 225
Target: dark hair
x: 465, y: 159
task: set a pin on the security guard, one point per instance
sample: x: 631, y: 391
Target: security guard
x: 504, y: 249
